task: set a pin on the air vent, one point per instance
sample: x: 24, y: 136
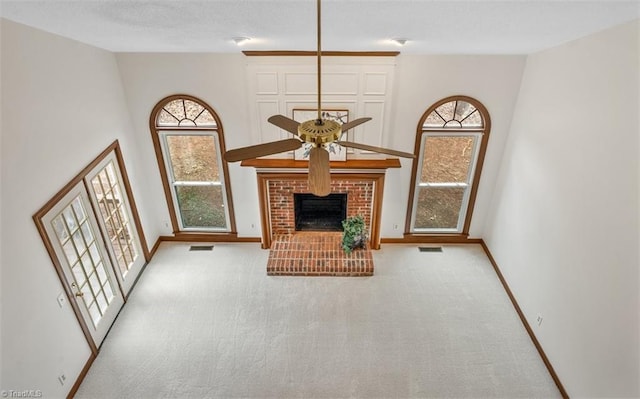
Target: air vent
x: 201, y: 248
x: 430, y: 249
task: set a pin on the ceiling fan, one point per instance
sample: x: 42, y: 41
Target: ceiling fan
x: 318, y: 132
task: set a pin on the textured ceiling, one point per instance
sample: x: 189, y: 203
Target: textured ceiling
x: 432, y: 27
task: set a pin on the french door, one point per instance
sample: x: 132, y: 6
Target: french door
x: 74, y: 234
x: 94, y: 240
x: 105, y: 187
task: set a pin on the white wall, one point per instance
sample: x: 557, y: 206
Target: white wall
x: 420, y: 81
x: 564, y: 220
x: 62, y: 104
x: 423, y: 80
x: 220, y: 81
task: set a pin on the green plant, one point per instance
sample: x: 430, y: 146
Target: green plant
x: 354, y: 233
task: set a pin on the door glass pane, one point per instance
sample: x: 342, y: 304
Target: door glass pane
x: 78, y: 209
x: 193, y: 158
x: 438, y: 208
x: 78, y: 241
x: 86, y: 232
x: 95, y: 284
x: 107, y: 292
x: 102, y: 276
x: 102, y: 303
x: 87, y: 294
x: 95, y: 314
x: 78, y: 274
x: 69, y: 218
x: 70, y: 252
x: 87, y: 263
x: 61, y: 231
x: 95, y: 255
x: 201, y: 206
x: 446, y: 159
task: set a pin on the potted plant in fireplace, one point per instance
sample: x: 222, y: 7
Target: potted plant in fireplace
x: 354, y: 234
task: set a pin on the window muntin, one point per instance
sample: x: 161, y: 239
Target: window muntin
x: 184, y: 112
x: 452, y: 135
x: 191, y: 147
x: 454, y: 114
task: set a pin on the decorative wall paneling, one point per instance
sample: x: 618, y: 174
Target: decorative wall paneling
x: 361, y: 85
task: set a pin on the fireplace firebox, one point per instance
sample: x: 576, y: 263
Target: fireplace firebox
x: 313, y: 213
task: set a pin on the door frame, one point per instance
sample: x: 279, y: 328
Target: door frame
x: 79, y: 179
x: 100, y: 329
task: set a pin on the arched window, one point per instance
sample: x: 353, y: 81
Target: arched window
x: 451, y: 142
x: 189, y: 143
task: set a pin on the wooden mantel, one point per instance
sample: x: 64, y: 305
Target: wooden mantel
x: 273, y: 163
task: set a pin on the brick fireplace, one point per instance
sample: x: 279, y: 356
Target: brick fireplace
x: 279, y: 179
x: 280, y: 190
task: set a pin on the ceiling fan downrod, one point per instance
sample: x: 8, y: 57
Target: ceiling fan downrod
x: 319, y: 131
x: 319, y: 66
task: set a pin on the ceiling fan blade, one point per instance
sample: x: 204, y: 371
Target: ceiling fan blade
x: 376, y: 149
x: 354, y: 123
x: 319, y: 172
x: 260, y: 150
x: 285, y: 123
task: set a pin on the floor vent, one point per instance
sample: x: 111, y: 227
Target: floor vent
x: 430, y: 249
x: 201, y: 248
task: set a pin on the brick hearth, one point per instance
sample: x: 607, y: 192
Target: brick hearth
x: 316, y: 254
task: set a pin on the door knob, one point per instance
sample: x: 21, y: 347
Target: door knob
x: 77, y: 292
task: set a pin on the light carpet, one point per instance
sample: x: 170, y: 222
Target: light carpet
x: 214, y: 325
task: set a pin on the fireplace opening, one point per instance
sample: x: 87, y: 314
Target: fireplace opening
x: 314, y: 213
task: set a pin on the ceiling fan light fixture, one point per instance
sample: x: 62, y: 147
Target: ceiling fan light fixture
x: 400, y: 41
x: 319, y: 133
x: 240, y: 40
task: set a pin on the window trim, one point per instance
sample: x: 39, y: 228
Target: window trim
x: 217, y: 132
x: 421, y: 133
